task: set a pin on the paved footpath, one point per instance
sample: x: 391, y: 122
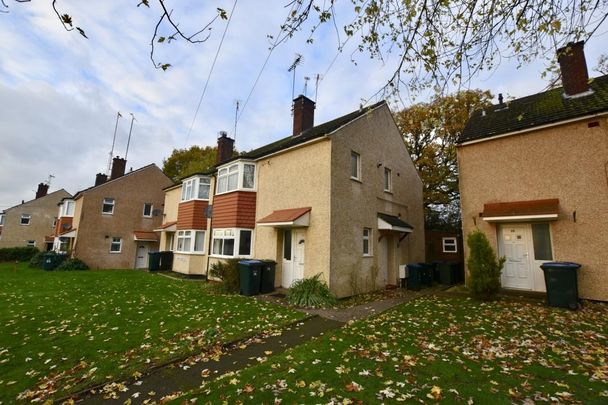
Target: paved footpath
x: 189, y: 374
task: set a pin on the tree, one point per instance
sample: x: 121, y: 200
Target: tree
x: 430, y: 42
x: 484, y: 267
x: 602, y: 64
x: 184, y: 162
x: 430, y: 131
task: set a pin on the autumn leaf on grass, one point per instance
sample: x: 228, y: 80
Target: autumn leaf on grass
x: 435, y: 393
x: 353, y: 387
x: 248, y: 388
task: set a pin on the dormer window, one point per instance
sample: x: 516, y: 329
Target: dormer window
x: 237, y: 176
x: 196, y: 188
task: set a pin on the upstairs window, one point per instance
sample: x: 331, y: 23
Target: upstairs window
x: 388, y: 180
x: 355, y: 166
x: 367, y: 247
x: 25, y: 219
x: 116, y: 245
x: 148, y: 210
x: 68, y: 208
x: 449, y: 245
x: 236, y: 176
x: 108, y: 206
x: 196, y: 188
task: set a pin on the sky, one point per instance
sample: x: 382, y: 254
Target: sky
x: 60, y: 93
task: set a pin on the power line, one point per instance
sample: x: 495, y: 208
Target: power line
x: 210, y: 72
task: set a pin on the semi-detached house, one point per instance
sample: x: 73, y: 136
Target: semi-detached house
x: 342, y: 198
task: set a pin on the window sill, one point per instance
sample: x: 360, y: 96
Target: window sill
x: 388, y: 192
x: 107, y: 213
x: 249, y: 190
x: 146, y: 216
x: 189, y: 253
x: 356, y: 180
x: 366, y: 256
x: 115, y: 253
x: 230, y: 257
x: 194, y: 199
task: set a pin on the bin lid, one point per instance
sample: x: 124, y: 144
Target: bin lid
x: 250, y: 262
x: 560, y: 265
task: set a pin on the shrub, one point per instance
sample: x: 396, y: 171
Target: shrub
x: 484, y: 266
x: 228, y: 272
x: 37, y: 260
x: 311, y: 293
x: 22, y: 253
x: 72, y: 264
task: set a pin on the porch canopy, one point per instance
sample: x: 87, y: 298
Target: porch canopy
x: 521, y: 211
x: 145, y: 236
x: 392, y: 223
x: 70, y: 233
x: 289, y: 218
x: 167, y: 227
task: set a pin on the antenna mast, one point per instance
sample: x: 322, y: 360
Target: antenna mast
x: 292, y: 68
x: 306, y: 79
x: 113, y: 143
x: 129, y: 140
x: 48, y: 182
x: 236, y: 116
x: 317, y: 80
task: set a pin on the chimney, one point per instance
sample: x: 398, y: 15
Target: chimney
x: 100, y: 178
x: 303, y: 114
x: 118, y: 167
x: 573, y: 66
x: 225, y: 147
x: 42, y: 190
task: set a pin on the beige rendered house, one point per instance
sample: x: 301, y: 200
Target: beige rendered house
x: 31, y: 223
x: 342, y: 198
x: 534, y: 179
x: 111, y: 224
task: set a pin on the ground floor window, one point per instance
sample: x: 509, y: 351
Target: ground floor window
x: 169, y: 241
x: 232, y: 242
x: 116, y: 246
x: 191, y: 241
x: 367, y: 247
x: 541, y: 239
x: 31, y: 243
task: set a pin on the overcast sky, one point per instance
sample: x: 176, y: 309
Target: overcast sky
x: 59, y: 92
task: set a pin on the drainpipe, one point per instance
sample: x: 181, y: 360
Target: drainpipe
x: 210, y: 231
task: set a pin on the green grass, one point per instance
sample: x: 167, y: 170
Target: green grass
x: 64, y: 331
x: 451, y: 349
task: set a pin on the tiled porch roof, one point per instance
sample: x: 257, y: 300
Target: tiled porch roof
x: 287, y: 215
x: 531, y: 208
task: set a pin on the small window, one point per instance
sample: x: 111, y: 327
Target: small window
x: 148, y: 210
x: 355, y: 166
x: 388, y: 180
x: 287, y: 244
x: 367, y: 247
x: 541, y: 238
x: 199, y: 241
x: 25, y: 219
x: 31, y: 243
x: 449, y: 245
x: 116, y: 245
x: 108, y: 206
x: 245, y: 243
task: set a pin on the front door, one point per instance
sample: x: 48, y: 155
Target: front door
x: 514, y: 245
x: 298, y: 241
x: 141, y: 260
x: 293, y: 256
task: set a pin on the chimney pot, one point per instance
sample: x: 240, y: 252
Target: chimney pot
x: 42, y: 190
x: 100, y: 178
x: 225, y: 147
x: 573, y: 67
x: 118, y: 167
x: 303, y: 114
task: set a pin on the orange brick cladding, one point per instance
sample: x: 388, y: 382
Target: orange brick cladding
x: 234, y: 210
x: 63, y: 224
x: 191, y: 215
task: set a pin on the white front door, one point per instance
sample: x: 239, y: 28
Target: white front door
x: 141, y: 260
x: 514, y: 244
x: 293, y: 256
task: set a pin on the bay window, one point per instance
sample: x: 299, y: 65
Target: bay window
x: 238, y: 176
x: 196, y: 188
x: 232, y: 242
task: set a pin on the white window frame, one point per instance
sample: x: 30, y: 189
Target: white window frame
x: 358, y: 156
x: 65, y: 208
x: 369, y: 238
x: 105, y: 202
x: 452, y: 241
x: 234, y: 169
x: 388, y: 178
x: 221, y: 234
x: 31, y: 243
x: 25, y: 216
x: 114, y: 242
x: 192, y: 186
x: 190, y: 235
x: 151, y: 210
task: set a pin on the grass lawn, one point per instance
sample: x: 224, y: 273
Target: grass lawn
x: 439, y: 349
x: 64, y: 331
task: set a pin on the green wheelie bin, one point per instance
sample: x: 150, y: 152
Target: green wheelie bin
x: 267, y: 276
x: 154, y: 261
x: 414, y: 276
x: 250, y: 272
x: 562, y: 285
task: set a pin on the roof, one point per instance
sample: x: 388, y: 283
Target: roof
x: 521, y: 208
x: 532, y: 111
x: 287, y: 215
x: 394, y: 221
x: 78, y: 194
x: 36, y: 199
x: 167, y: 224
x: 145, y: 236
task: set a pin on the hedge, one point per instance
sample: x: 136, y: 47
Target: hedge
x: 22, y: 254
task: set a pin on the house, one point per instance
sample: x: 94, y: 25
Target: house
x: 342, y: 198
x: 442, y: 245
x: 111, y: 225
x: 31, y: 223
x: 534, y: 179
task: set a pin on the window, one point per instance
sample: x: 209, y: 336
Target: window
x: 230, y: 179
x: 541, y: 238
x: 367, y: 247
x: 449, y: 245
x: 116, y: 245
x: 187, y: 190
x: 68, y: 209
x: 355, y: 166
x: 287, y: 244
x: 183, y: 241
x: 108, y: 206
x: 1, y: 219
x: 31, y: 243
x: 148, y: 210
x: 25, y: 219
x: 227, y: 241
x: 196, y: 188
x: 191, y: 241
x: 169, y: 241
x: 388, y: 180
x: 203, y: 188
x: 54, y: 222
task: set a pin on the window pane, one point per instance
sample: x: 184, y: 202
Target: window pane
x: 233, y: 181
x: 203, y: 191
x: 217, y: 246
x: 541, y: 237
x: 387, y: 179
x: 69, y: 210
x: 287, y: 244
x: 248, y: 176
x: 354, y: 165
x: 365, y: 246
x: 148, y: 210
x: 245, y: 243
x: 199, y: 241
x: 229, y: 247
x: 221, y: 184
x: 187, y: 244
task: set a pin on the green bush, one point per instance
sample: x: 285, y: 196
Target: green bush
x: 22, y: 253
x: 311, y: 293
x: 37, y: 260
x: 484, y: 266
x: 228, y: 272
x: 72, y: 264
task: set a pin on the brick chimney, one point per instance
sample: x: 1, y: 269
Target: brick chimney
x: 100, y: 178
x: 42, y: 190
x: 225, y: 147
x: 573, y: 66
x: 118, y: 167
x: 303, y: 114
